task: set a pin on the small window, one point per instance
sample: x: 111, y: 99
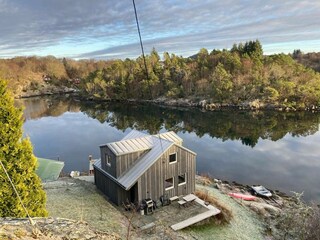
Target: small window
x: 182, y: 179
x: 173, y: 158
x: 108, y: 160
x: 169, y: 183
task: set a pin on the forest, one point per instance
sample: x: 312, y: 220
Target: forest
x: 240, y: 74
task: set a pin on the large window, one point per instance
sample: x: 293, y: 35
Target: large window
x: 182, y: 179
x: 108, y: 160
x: 173, y: 158
x: 169, y: 183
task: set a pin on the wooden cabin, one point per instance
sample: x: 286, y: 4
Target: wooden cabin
x: 143, y: 166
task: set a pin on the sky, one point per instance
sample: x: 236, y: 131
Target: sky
x: 106, y: 29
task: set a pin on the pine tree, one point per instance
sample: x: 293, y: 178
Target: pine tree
x: 16, y: 155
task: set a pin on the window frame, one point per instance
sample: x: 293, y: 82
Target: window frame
x: 171, y: 187
x: 176, y: 159
x: 185, y: 179
x: 108, y: 160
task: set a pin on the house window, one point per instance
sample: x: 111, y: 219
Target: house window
x: 173, y: 158
x: 182, y: 179
x: 108, y: 160
x: 169, y: 183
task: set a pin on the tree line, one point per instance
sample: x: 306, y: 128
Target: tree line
x: 241, y: 74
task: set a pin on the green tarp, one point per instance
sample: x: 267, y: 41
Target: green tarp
x: 49, y: 170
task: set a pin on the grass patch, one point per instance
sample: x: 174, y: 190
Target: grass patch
x: 226, y: 213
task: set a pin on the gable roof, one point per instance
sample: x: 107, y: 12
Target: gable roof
x: 130, y: 145
x: 136, y: 141
x: 170, y: 136
x: 134, y: 134
x: 129, y: 178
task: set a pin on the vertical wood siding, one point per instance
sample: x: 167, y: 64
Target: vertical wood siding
x: 151, y: 183
x: 104, y: 150
x: 124, y: 162
x: 113, y: 191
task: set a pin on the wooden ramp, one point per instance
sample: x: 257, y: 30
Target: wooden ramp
x: 195, y: 219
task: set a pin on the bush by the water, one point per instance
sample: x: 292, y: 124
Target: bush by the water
x: 299, y: 221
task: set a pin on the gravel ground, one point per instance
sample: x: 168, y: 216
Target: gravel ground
x: 80, y: 200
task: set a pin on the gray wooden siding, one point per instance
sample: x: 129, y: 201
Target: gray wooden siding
x: 113, y: 191
x: 119, y: 164
x: 124, y: 162
x: 151, y: 183
x: 104, y: 150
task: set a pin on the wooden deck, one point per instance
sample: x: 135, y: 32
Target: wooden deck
x: 194, y: 219
x: 212, y: 211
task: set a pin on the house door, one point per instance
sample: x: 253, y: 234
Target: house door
x: 134, y: 193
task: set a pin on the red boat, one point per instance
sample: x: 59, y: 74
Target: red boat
x: 242, y: 196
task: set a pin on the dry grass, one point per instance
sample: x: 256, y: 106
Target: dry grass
x: 204, y: 180
x: 226, y: 214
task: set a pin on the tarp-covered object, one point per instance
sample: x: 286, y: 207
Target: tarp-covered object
x: 49, y: 170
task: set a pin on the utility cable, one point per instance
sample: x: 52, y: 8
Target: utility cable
x: 15, y: 190
x: 141, y: 45
x: 144, y: 60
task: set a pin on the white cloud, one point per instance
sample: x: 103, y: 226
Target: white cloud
x: 106, y: 29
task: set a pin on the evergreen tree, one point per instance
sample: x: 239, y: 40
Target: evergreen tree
x: 17, y: 157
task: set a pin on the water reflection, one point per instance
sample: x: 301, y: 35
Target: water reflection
x: 278, y: 150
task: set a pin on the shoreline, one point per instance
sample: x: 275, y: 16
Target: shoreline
x: 202, y: 104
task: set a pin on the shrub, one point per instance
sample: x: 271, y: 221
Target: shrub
x: 226, y: 214
x: 17, y: 157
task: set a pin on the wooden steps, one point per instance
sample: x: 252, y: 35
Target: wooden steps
x: 195, y: 219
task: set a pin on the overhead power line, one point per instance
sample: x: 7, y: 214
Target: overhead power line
x: 141, y: 45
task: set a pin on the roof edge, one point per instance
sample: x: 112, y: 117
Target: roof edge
x: 187, y: 149
x: 109, y: 176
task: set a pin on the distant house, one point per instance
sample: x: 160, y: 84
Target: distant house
x: 142, y: 166
x: 46, y: 78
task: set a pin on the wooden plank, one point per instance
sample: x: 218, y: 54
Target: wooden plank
x: 182, y: 202
x: 174, y: 198
x: 189, y: 198
x: 148, y: 226
x: 195, y: 219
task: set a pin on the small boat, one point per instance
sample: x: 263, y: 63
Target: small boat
x: 246, y: 197
x: 261, y: 191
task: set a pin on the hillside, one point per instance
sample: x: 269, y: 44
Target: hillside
x: 233, y: 77
x: 310, y: 60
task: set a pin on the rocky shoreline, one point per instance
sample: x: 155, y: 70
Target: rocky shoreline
x: 203, y: 104
x: 208, y: 105
x: 50, y: 90
x: 265, y: 207
x: 211, y: 106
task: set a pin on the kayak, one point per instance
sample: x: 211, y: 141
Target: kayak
x: 242, y: 196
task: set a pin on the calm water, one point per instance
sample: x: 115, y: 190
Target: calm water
x: 278, y: 150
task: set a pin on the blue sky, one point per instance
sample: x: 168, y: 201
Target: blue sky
x: 105, y: 29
